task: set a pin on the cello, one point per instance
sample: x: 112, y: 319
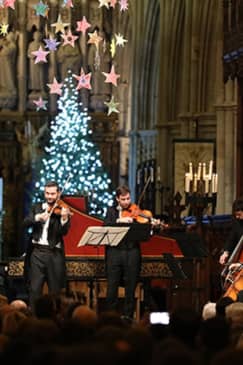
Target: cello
x: 232, y: 274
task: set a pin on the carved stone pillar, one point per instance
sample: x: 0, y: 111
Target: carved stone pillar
x: 22, y: 62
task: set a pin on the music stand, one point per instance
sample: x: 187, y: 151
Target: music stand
x: 174, y: 267
x: 107, y: 235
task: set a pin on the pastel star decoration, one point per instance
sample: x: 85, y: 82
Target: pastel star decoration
x: 83, y: 80
x: 55, y: 87
x: 111, y: 76
x: 94, y: 38
x: 40, y: 104
x: 123, y: 5
x: 69, y: 38
x: 120, y: 41
x: 40, y: 55
x: 59, y: 25
x: 51, y: 43
x: 112, y: 106
x: 9, y: 4
x: 113, y: 3
x: 67, y: 3
x: 83, y: 25
x: 41, y: 9
x: 1, y: 3
x: 4, y: 29
x: 104, y: 3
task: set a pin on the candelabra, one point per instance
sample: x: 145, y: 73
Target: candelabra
x: 201, y: 189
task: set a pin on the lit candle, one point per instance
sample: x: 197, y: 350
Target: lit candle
x: 206, y: 179
x: 195, y: 183
x: 203, y: 170
x: 187, y: 182
x: 210, y: 172
x: 190, y: 170
x: 199, y: 170
x: 214, y: 183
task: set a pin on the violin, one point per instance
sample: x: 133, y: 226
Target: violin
x: 139, y: 215
x: 57, y: 208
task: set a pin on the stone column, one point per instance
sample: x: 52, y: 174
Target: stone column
x: 22, y: 60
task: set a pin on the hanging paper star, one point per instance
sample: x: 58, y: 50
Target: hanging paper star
x: 123, y: 5
x: 40, y: 104
x: 113, y: 47
x: 83, y: 25
x: 120, y: 41
x: 51, y: 43
x: 69, y: 38
x: 83, y: 80
x: 94, y: 39
x: 68, y: 3
x: 112, y: 76
x: 55, y: 87
x: 112, y: 106
x: 113, y: 3
x: 9, y: 4
x: 60, y: 26
x: 1, y: 3
x: 41, y: 9
x: 40, y: 55
x: 104, y: 3
x: 4, y: 29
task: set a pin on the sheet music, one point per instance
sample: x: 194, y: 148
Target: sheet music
x: 103, y: 236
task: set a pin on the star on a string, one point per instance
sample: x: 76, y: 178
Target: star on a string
x: 113, y: 3
x: 69, y: 38
x: 83, y: 80
x: 67, y: 3
x: 112, y: 106
x: 83, y: 25
x: 60, y: 26
x: 4, y: 29
x: 9, y: 4
x: 104, y: 3
x: 94, y: 39
x: 120, y: 41
x: 40, y: 55
x: 111, y: 76
x: 40, y: 104
x: 51, y: 43
x: 41, y: 9
x: 123, y: 5
x: 55, y: 87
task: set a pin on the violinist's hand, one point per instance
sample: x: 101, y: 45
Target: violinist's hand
x: 124, y: 220
x: 65, y: 213
x: 224, y: 257
x: 42, y: 217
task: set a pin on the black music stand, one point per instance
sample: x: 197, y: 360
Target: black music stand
x: 96, y: 236
x: 174, y: 267
x: 138, y: 232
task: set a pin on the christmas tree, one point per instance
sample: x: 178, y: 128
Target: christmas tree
x: 72, y: 156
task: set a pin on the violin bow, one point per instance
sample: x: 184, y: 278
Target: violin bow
x: 144, y: 190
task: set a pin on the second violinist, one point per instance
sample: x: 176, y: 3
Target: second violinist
x: 123, y: 262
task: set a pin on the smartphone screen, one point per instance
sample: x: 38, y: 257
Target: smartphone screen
x: 159, y: 317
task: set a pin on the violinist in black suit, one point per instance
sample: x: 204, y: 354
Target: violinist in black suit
x: 45, y: 259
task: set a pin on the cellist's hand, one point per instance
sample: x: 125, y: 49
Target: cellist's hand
x: 224, y: 258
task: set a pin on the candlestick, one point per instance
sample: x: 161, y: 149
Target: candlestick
x: 195, y: 183
x: 206, y: 179
x: 214, y: 183
x: 151, y: 174
x: 203, y: 170
x: 210, y: 172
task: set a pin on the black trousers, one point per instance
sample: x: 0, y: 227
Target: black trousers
x: 46, y: 265
x: 122, y: 266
